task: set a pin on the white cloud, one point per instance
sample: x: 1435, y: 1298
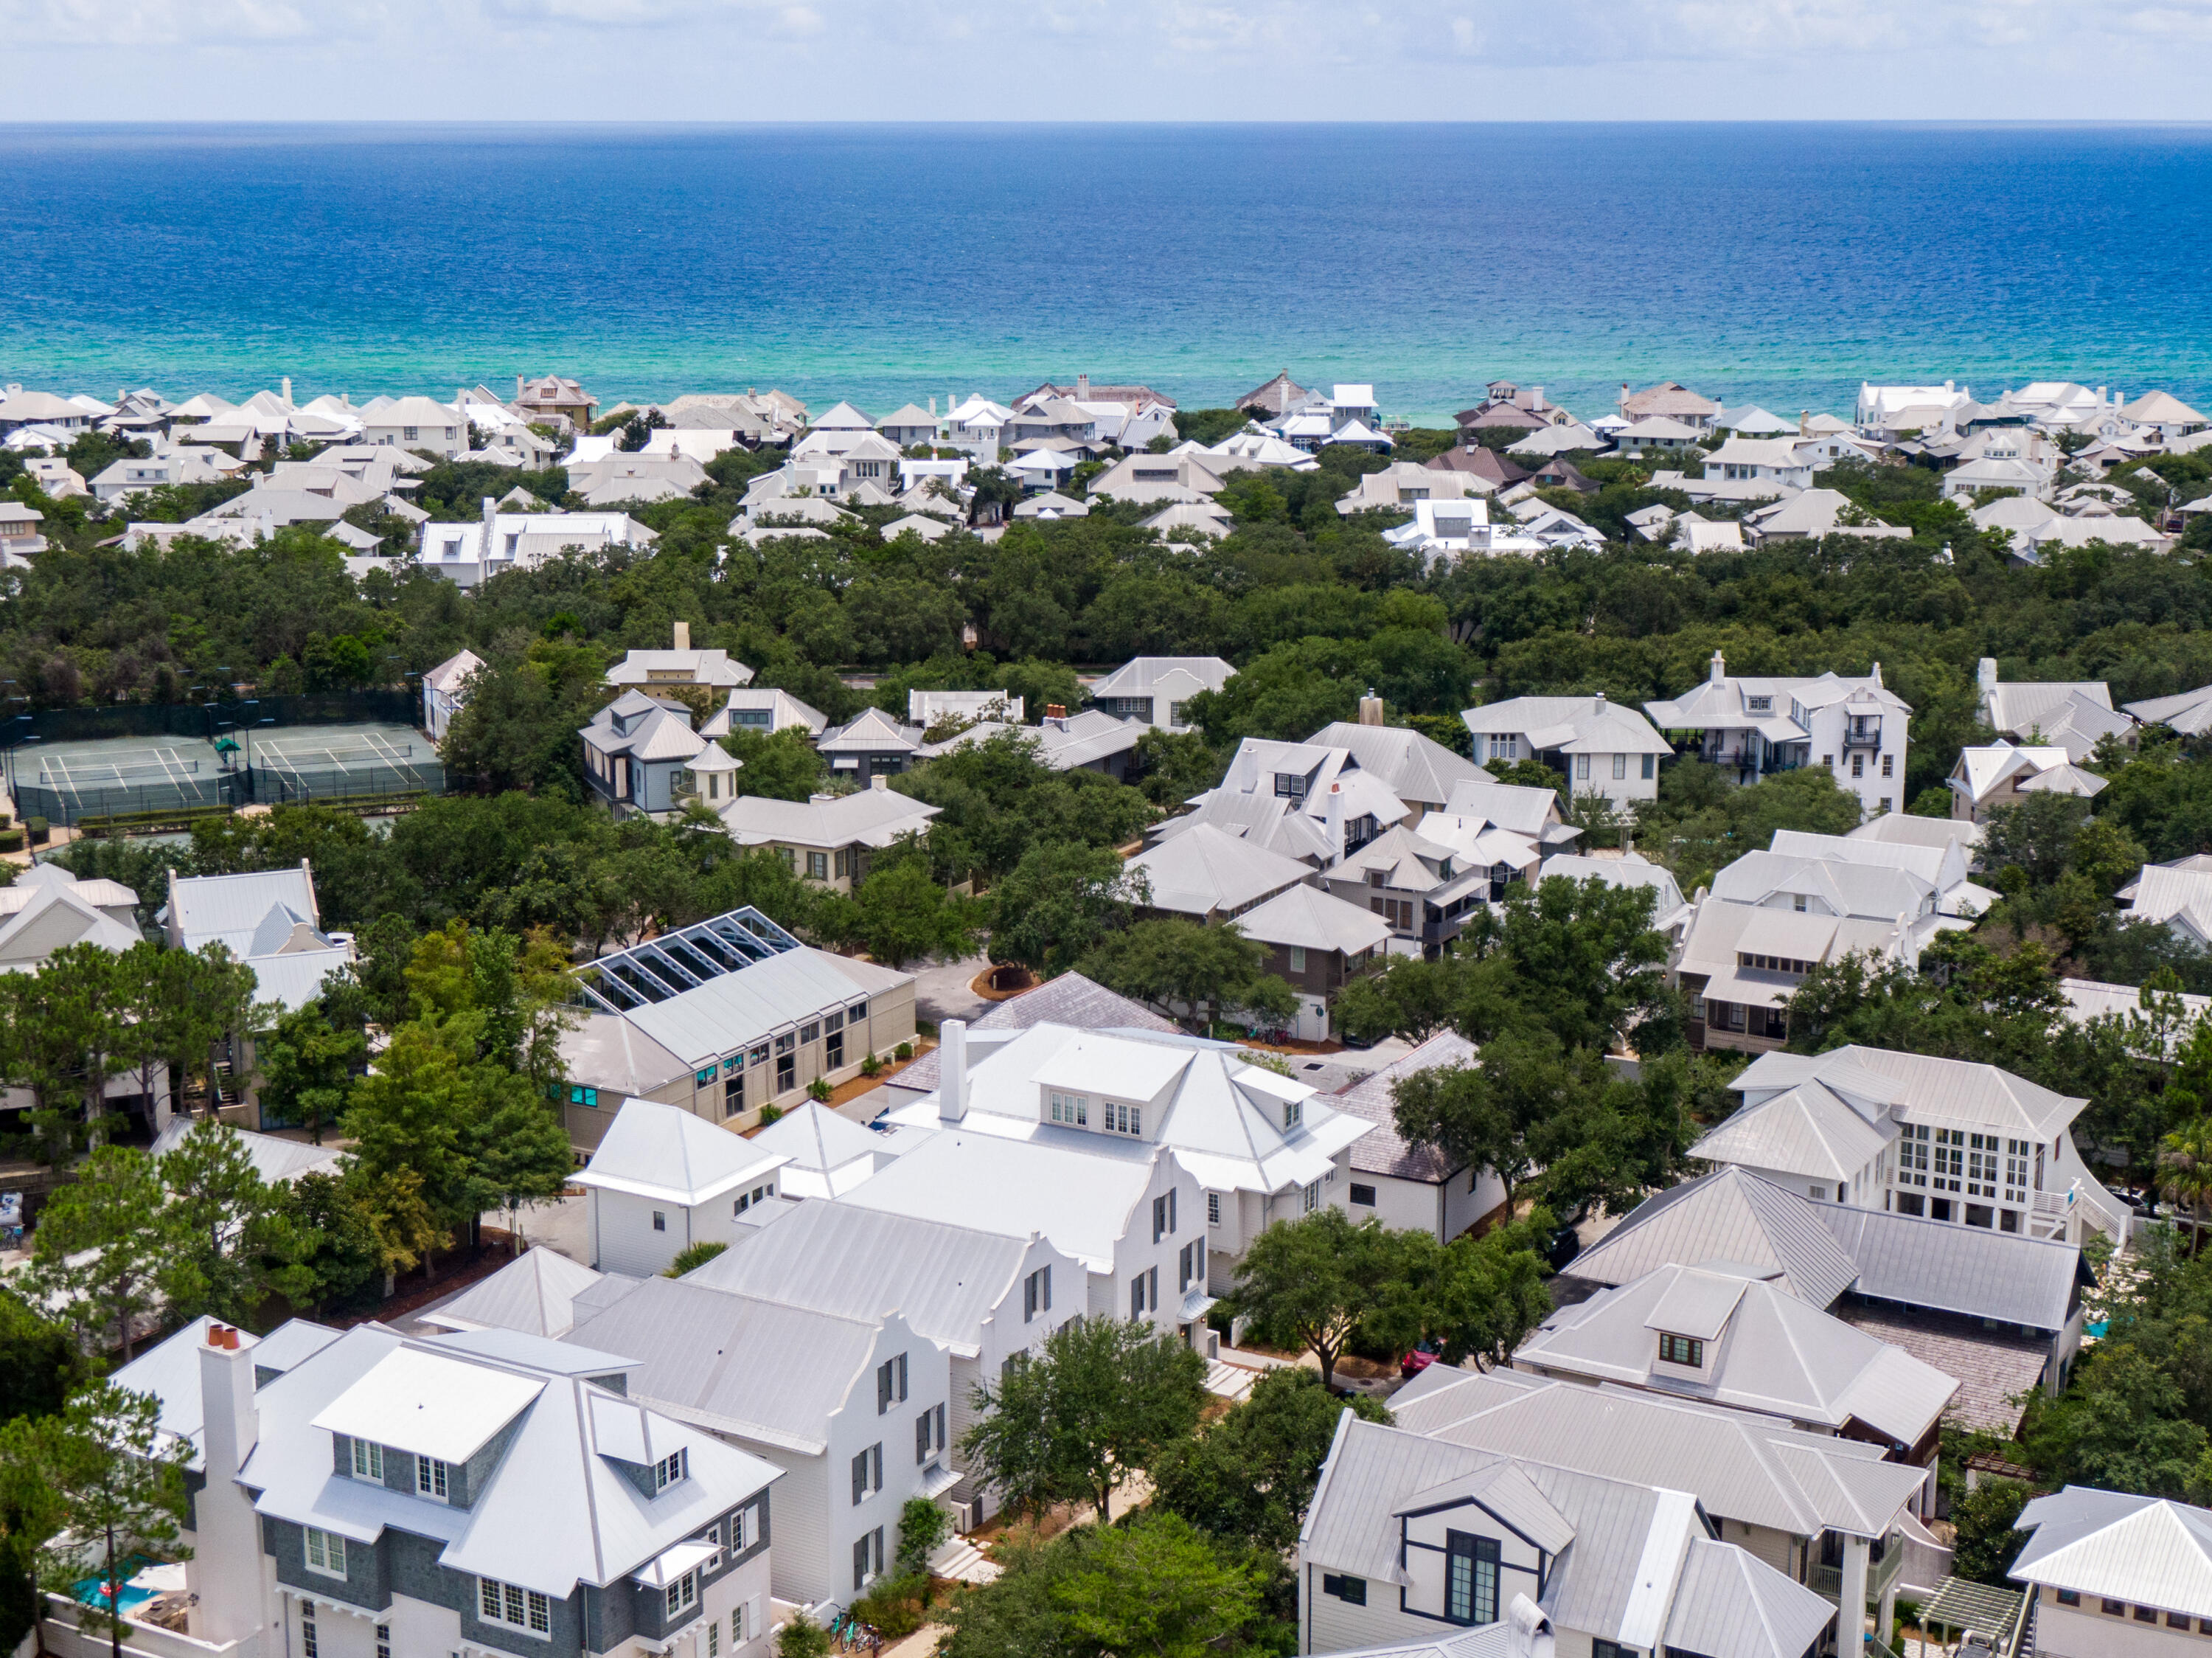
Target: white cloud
x: 140, y: 23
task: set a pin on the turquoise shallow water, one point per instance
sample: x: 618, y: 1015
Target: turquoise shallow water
x: 1780, y: 263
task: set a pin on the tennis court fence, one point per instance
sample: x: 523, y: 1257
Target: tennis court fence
x: 273, y: 783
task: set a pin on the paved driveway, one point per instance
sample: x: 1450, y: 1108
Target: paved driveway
x: 941, y: 990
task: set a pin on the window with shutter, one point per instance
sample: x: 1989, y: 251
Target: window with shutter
x: 921, y: 1438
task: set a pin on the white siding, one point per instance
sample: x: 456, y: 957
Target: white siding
x: 798, y: 1523
x: 626, y: 1242
x: 1403, y: 1205
x: 1335, y: 1625
x: 2085, y: 1632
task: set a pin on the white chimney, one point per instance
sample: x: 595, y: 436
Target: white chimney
x: 1719, y: 675
x: 1876, y: 675
x: 683, y: 635
x: 1247, y: 767
x: 1333, y: 822
x: 286, y: 383
x: 518, y: 387
x: 490, y: 528
x: 1370, y: 707
x: 1985, y: 673
x: 225, y: 1570
x: 880, y: 782
x: 1597, y: 704
x: 952, y: 1071
x: 933, y: 407
x: 1083, y: 388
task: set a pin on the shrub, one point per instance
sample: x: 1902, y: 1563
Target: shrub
x: 770, y: 1114
x: 871, y: 1065
x: 11, y: 840
x: 696, y: 1256
x: 6, y: 818
x: 922, y: 1526
x: 819, y: 1087
x: 802, y: 1637
x: 895, y: 1607
x: 904, y: 1051
x: 38, y: 830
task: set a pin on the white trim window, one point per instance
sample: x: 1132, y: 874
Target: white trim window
x: 684, y: 1594
x: 676, y: 1465
x: 1073, y: 1109
x: 513, y: 1607
x: 325, y: 1552
x: 433, y: 1480
x: 1119, y: 1118
x: 368, y: 1461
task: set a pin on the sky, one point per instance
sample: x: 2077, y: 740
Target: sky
x: 1323, y: 60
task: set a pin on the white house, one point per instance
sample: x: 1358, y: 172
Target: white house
x: 470, y: 554
x: 1240, y: 1145
x: 1407, y: 1186
x: 716, y: 670
x: 855, y: 1411
x: 1779, y: 461
x: 663, y: 1180
x: 1600, y: 747
x: 1509, y: 829
x: 981, y: 1296
x: 828, y: 838
x: 1910, y: 1134
x: 1854, y: 727
x: 2116, y: 1575
x: 416, y: 423
x: 444, y: 688
x: 1414, y: 1542
x: 1890, y: 412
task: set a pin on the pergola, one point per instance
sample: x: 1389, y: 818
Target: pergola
x: 1960, y: 1605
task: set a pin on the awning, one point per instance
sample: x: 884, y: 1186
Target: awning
x: 669, y: 1565
x: 1196, y: 1306
x: 938, y: 1481
x: 1744, y: 990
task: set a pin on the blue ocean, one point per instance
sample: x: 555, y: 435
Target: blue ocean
x: 1780, y: 263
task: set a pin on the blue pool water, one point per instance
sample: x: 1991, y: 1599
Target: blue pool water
x: 885, y: 263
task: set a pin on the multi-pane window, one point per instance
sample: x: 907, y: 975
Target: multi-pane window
x: 1982, y: 1151
x: 1681, y: 1349
x: 1912, y: 1154
x: 513, y: 1606
x: 325, y: 1552
x: 1470, y: 1578
x: 1949, y: 1160
x: 733, y: 1094
x: 1163, y: 1216
x: 1037, y: 1294
x: 1118, y: 1118
x: 1504, y: 746
x: 1312, y: 1197
x: 1213, y: 1208
x: 1294, y: 1112
x: 368, y: 1460
x: 1185, y: 1267
x: 432, y: 1479
x: 890, y: 1383
x: 310, y: 1646
x: 928, y: 1434
x: 1620, y: 768
x: 384, y: 1641
x: 1145, y: 1293
x: 669, y: 1469
x: 2015, y: 1171
x: 684, y: 1593
x: 714, y: 1639
x: 817, y: 866
x: 1070, y: 1108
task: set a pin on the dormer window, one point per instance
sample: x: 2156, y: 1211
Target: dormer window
x: 432, y: 1479
x: 1470, y: 1578
x: 1118, y: 1118
x: 669, y: 1469
x: 1073, y: 1109
x: 1294, y: 1112
x: 1681, y: 1349
x: 1759, y: 705
x: 368, y: 1461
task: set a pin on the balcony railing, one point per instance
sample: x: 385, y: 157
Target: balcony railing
x: 1828, y: 1581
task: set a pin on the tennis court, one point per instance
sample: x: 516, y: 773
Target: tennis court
x: 306, y: 762
x: 63, y: 781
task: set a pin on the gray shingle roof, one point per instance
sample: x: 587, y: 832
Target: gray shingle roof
x: 1385, y: 1151
x: 1070, y: 999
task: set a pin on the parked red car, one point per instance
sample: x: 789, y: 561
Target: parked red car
x: 1418, y: 1360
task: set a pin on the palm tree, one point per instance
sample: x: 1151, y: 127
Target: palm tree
x: 2184, y: 1169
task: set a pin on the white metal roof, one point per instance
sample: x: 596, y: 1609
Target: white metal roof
x: 661, y: 1151
x: 437, y: 1407
x: 534, y: 1293
x: 2146, y: 1550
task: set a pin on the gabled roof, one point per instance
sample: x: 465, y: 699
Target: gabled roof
x: 228, y: 909
x: 534, y: 1293
x: 1729, y: 1215
x: 1574, y: 725
x: 868, y: 817
x: 2147, y: 1551
x: 1203, y: 871
x: 2189, y: 713
x: 1955, y: 1092
x: 1310, y: 918
x: 653, y: 1150
x: 1725, y: 1607
x: 872, y: 731
x: 860, y: 1263
x: 1384, y: 1150
x: 1745, y: 1466
x: 842, y: 417
x: 1767, y: 1350
x: 1805, y: 1130
x: 1418, y: 769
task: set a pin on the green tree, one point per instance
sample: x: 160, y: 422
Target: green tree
x: 229, y: 1252
x: 1250, y: 1475
x: 1473, y: 1298
x: 1100, y: 1401
x: 781, y: 766
x: 1318, y: 1280
x: 330, y: 1237
x: 1151, y: 1588
x: 902, y: 913
x: 106, y: 1243
x: 1987, y: 1542
x: 116, y: 1492
x: 1411, y: 998
x: 2036, y: 836
x: 308, y: 1066
x: 1204, y: 972
x: 1059, y: 903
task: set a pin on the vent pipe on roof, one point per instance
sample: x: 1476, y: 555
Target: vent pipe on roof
x: 952, y: 1071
